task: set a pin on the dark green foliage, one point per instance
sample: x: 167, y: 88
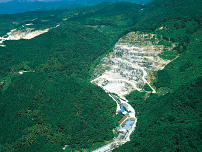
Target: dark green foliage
x: 147, y: 88
x: 62, y: 109
x: 138, y: 97
x: 180, y: 20
x: 172, y: 122
x: 71, y: 39
x: 60, y: 49
x: 163, y: 79
x: 185, y: 68
x: 15, y: 21
x: 55, y: 104
x: 169, y: 123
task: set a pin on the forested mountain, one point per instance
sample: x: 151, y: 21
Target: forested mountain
x: 53, y: 103
x: 20, y: 6
x: 171, y: 121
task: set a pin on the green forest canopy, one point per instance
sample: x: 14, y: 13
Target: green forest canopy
x: 43, y: 109
x: 172, y: 121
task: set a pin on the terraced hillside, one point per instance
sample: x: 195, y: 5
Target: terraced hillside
x: 126, y: 68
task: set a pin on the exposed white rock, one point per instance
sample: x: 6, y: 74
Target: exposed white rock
x: 21, y: 72
x: 27, y: 33
x: 29, y: 24
x: 126, y: 68
x: 58, y: 25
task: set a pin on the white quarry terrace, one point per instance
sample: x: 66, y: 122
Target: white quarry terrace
x: 26, y: 33
x: 124, y: 70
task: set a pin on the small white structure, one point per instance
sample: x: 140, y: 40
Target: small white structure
x: 132, y: 116
x: 124, y: 113
x: 122, y: 130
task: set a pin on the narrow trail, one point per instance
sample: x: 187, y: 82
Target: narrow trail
x: 136, y: 66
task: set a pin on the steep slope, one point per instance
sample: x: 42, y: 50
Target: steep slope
x: 50, y: 110
x: 43, y: 108
x: 126, y: 68
x: 38, y: 20
x: 53, y: 65
x: 168, y: 123
x: 171, y: 119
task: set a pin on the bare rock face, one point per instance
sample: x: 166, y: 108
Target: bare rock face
x: 27, y: 33
x: 125, y: 69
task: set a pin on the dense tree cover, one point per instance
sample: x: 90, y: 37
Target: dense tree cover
x: 185, y: 68
x: 40, y: 20
x: 60, y: 49
x: 56, y: 109
x: 55, y: 105
x: 171, y: 119
x: 158, y: 12
x: 72, y: 38
x: 112, y: 19
x: 179, y: 19
x: 168, y: 123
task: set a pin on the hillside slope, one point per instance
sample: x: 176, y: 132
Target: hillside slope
x: 171, y: 119
x: 47, y: 100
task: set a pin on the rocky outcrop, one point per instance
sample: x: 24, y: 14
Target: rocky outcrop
x: 125, y: 69
x: 27, y: 33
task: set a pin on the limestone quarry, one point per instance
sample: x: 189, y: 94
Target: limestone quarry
x: 125, y: 69
x: 27, y: 33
